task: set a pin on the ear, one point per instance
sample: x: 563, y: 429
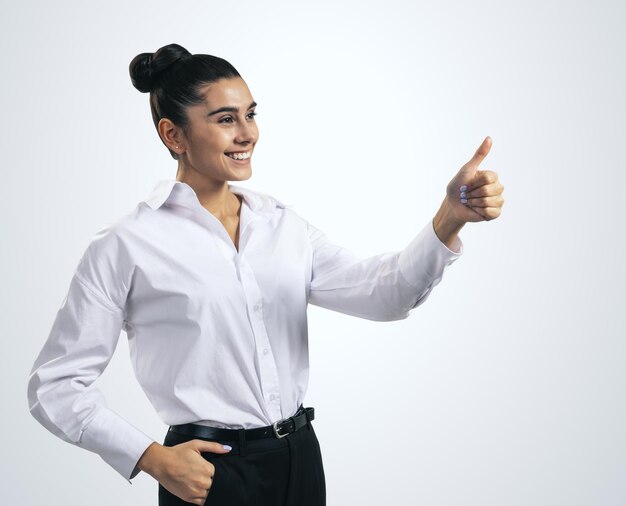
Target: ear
x: 171, y: 135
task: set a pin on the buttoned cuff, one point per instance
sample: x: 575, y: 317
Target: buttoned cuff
x: 426, y: 257
x: 118, y: 442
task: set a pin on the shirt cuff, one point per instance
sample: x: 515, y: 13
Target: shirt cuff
x: 118, y: 442
x: 426, y: 257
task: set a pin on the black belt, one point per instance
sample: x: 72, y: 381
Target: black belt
x: 278, y: 429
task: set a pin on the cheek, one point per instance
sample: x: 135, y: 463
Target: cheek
x: 218, y: 145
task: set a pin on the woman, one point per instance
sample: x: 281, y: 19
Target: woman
x: 211, y: 282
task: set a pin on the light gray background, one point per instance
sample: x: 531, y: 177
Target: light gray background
x: 507, y: 386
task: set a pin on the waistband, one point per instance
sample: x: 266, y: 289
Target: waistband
x: 278, y: 429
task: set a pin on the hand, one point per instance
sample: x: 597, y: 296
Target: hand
x: 482, y: 200
x: 472, y: 195
x: 181, y: 469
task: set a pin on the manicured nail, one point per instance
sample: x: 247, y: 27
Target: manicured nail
x: 226, y: 447
x: 464, y: 188
x: 463, y: 195
x: 463, y: 201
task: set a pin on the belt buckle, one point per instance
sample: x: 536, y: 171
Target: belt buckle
x: 275, y: 425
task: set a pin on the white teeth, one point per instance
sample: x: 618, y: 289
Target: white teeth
x: 239, y: 156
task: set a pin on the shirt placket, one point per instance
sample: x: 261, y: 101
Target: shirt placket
x: 270, y: 385
x: 268, y: 371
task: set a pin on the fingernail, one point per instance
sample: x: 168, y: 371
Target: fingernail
x: 226, y: 447
x: 463, y: 201
x: 463, y: 195
x: 464, y: 188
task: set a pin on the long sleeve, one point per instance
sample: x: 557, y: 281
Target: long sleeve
x: 84, y: 335
x: 383, y: 287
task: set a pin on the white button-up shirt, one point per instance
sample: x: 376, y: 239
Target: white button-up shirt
x: 217, y: 336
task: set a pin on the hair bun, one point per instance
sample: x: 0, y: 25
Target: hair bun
x: 146, y: 69
x: 140, y: 69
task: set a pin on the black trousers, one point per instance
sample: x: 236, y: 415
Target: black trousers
x: 262, y: 472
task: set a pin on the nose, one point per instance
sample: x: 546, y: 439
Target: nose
x: 246, y: 133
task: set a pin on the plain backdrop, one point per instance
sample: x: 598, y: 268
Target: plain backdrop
x: 506, y: 387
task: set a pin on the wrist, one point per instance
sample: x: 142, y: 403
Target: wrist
x: 446, y: 225
x: 151, y: 459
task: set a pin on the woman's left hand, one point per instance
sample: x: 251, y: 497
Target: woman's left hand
x: 475, y: 195
x: 472, y: 195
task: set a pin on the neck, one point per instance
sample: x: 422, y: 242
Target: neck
x: 213, y: 194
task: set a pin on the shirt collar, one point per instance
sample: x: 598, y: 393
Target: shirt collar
x: 172, y: 190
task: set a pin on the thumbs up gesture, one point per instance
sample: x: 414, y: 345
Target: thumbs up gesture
x: 472, y: 195
x: 475, y: 195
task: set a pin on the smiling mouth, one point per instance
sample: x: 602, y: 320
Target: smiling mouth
x: 239, y: 156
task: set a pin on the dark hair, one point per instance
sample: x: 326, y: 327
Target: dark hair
x: 173, y: 77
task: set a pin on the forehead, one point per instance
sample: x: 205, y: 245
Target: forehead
x: 232, y: 91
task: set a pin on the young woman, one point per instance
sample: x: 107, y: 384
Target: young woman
x: 211, y: 281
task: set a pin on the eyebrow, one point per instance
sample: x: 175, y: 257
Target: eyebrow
x: 230, y: 109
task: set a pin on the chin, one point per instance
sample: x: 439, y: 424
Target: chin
x: 243, y: 176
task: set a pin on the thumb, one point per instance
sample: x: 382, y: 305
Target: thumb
x: 200, y: 445
x: 479, y: 156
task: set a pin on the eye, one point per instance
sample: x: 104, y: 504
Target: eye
x: 223, y: 120
x: 252, y: 115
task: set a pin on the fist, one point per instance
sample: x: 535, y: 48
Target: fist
x: 475, y: 195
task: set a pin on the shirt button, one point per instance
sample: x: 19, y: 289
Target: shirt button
x: 257, y: 307
x: 265, y: 351
x: 272, y: 397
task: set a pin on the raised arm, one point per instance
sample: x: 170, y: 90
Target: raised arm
x: 382, y: 287
x: 387, y: 286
